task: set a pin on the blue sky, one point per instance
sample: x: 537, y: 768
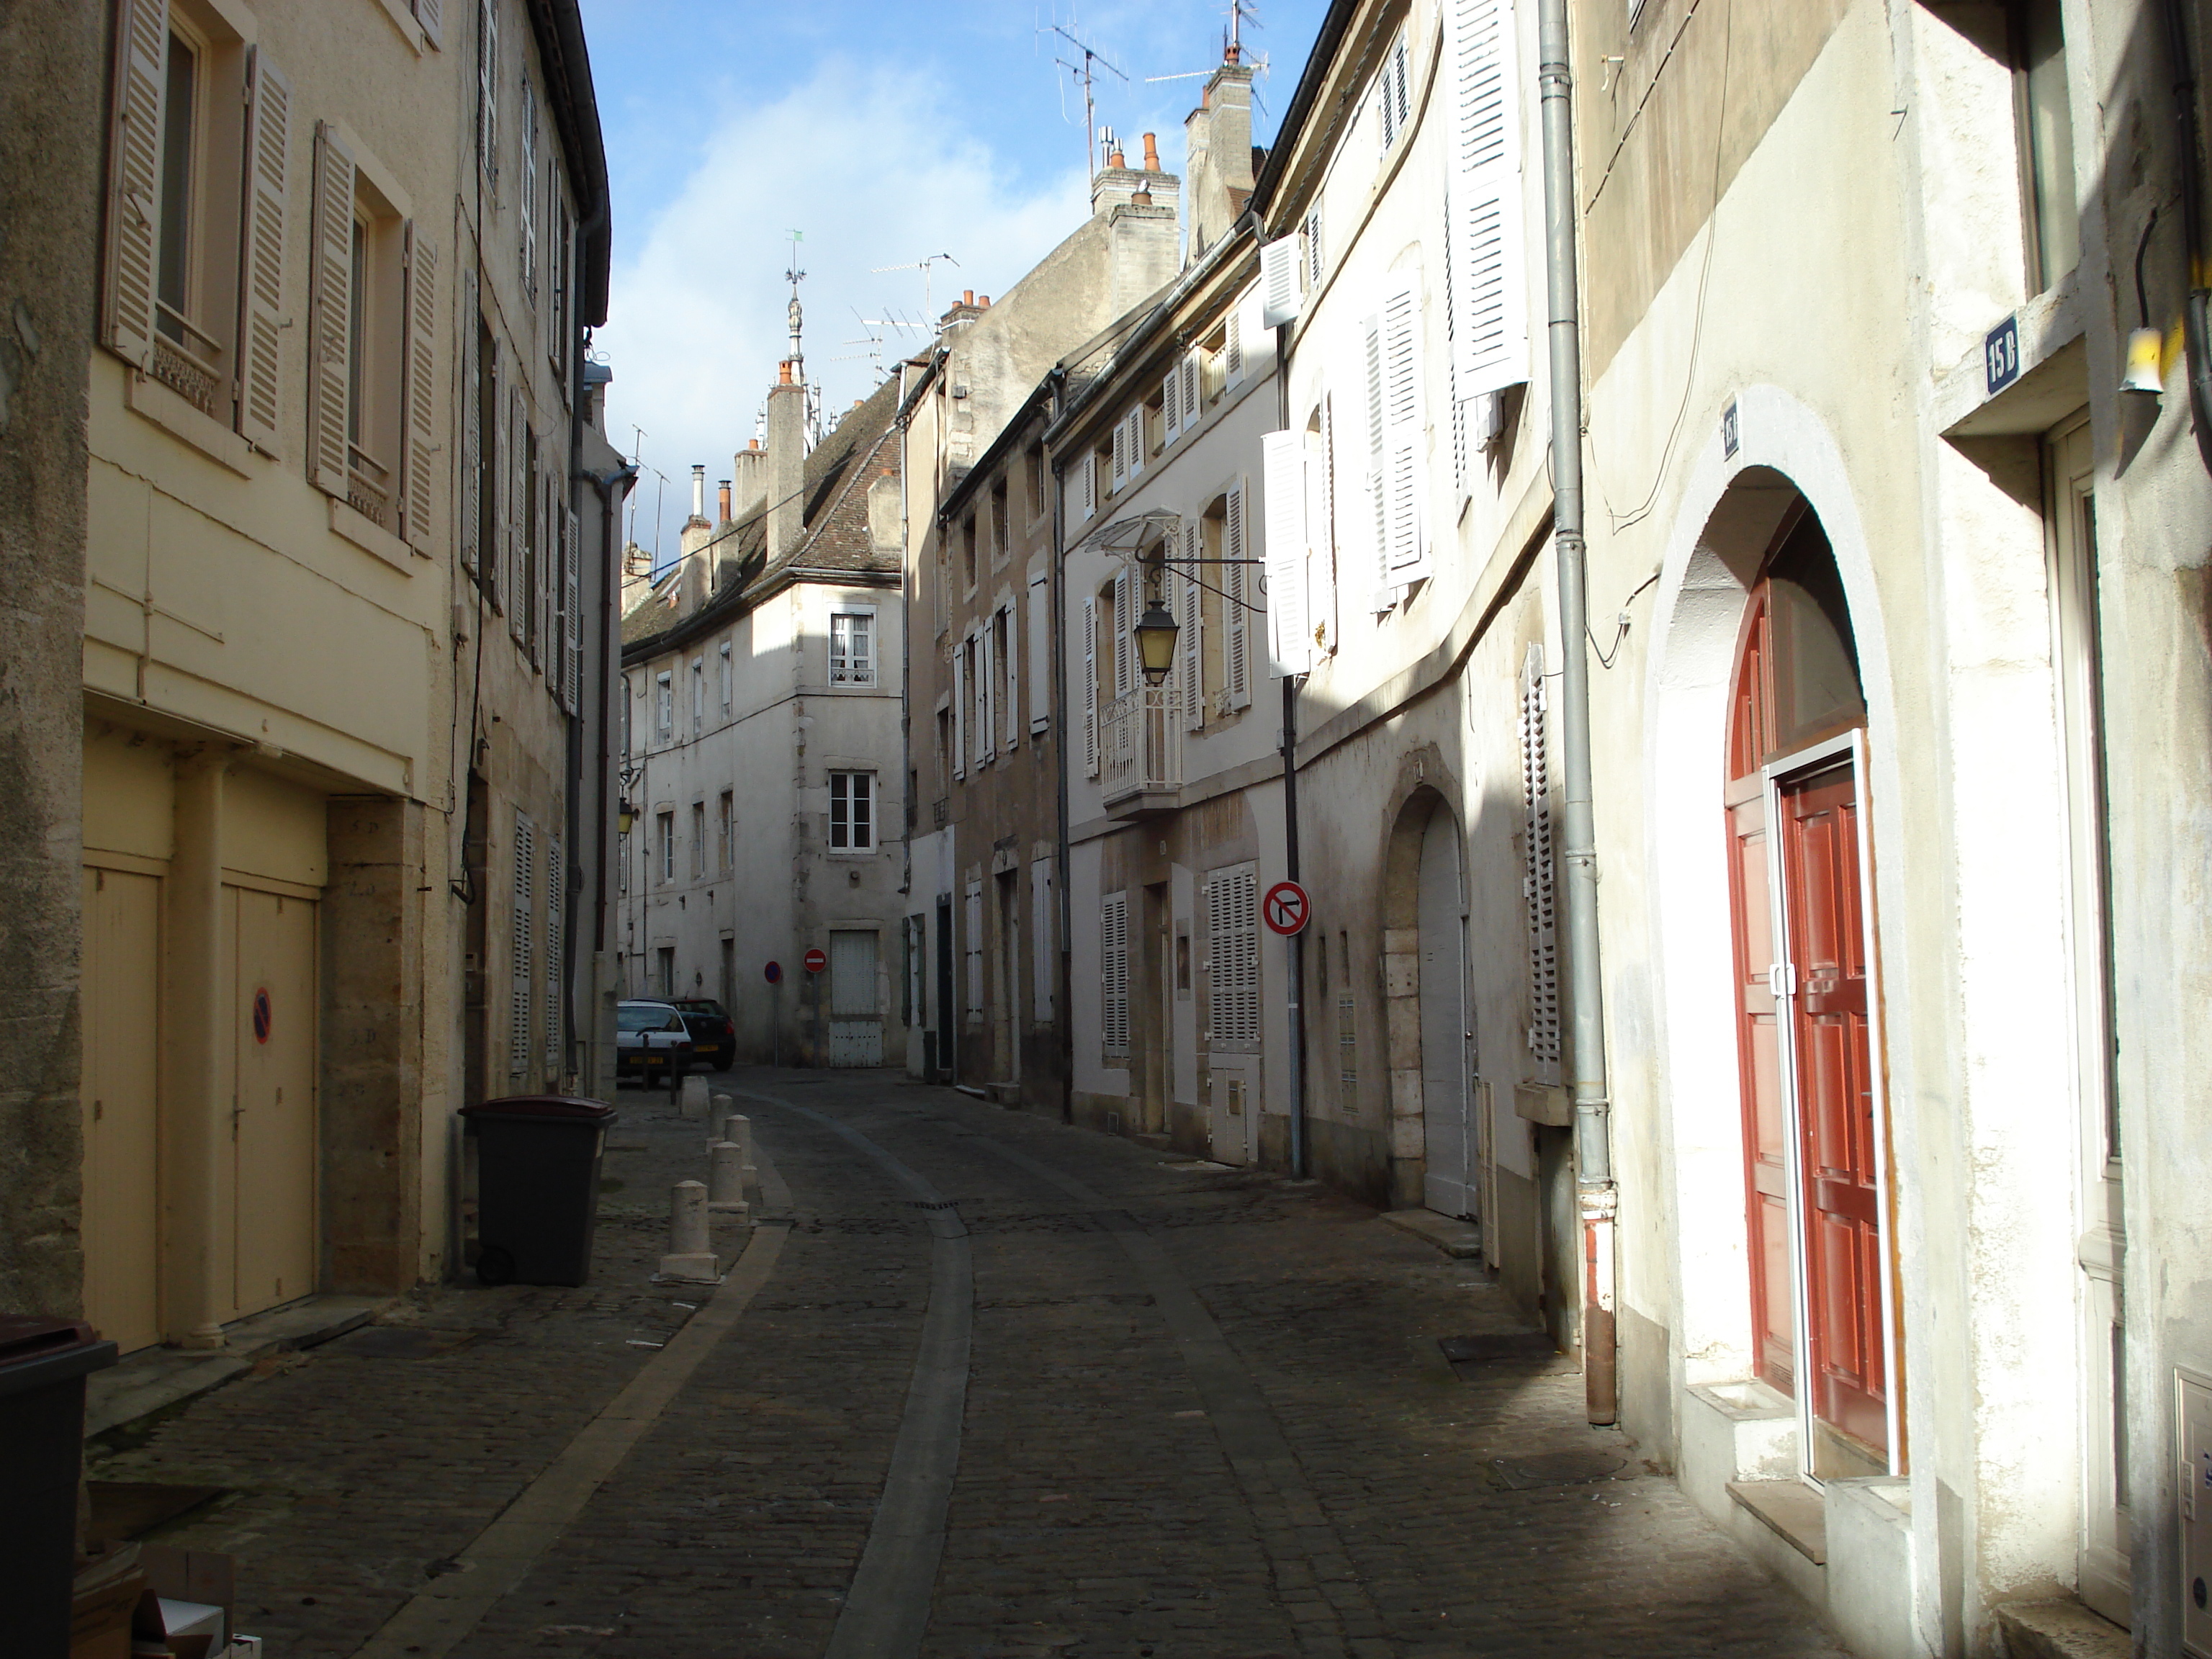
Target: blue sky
x: 885, y: 132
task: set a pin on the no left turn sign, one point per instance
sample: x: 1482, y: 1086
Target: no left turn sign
x: 1286, y: 909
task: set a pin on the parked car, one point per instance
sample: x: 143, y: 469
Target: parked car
x: 714, y: 1033
x: 652, y: 1039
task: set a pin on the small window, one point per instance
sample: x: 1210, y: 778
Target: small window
x: 665, y: 822
x: 2045, y: 114
x: 728, y: 822
x: 1001, y: 533
x: 968, y: 551
x: 851, y: 811
x: 852, y: 648
x: 666, y: 721
x: 1392, y: 108
x: 1033, y: 479
x: 664, y: 959
x: 698, y: 838
x: 729, y: 687
x: 698, y: 695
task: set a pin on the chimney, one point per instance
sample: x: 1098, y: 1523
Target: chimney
x: 1218, y: 136
x: 723, y: 492
x: 1152, y: 153
x: 786, y: 469
x: 748, y: 479
x: 699, y: 494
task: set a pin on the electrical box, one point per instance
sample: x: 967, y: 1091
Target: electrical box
x: 2192, y: 1399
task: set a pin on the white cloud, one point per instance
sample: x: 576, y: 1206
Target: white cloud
x: 876, y: 167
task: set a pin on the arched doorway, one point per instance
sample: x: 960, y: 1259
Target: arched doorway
x: 1815, y: 1168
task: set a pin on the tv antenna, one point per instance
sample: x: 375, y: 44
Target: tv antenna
x: 1092, y: 56
x: 923, y: 266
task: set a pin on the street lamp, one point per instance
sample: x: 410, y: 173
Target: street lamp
x: 625, y: 816
x: 1156, y: 643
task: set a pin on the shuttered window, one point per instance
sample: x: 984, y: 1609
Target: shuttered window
x: 1090, y: 686
x: 1537, y: 890
x: 1044, y: 931
x: 331, y: 313
x: 851, y: 811
x: 572, y: 628
x: 522, y: 960
x: 525, y: 127
x: 1393, y: 107
x: 422, y: 481
x: 1237, y: 654
x: 556, y: 991
x: 262, y: 315
x: 1283, y: 481
x: 518, y: 449
x: 1233, y: 923
x: 1114, y: 975
x: 1279, y: 281
x: 488, y: 87
x: 853, y: 647
x: 1190, y: 624
x: 1390, y: 339
x: 134, y: 188
x: 1486, y: 300
x: 1232, y: 350
x: 1124, y: 609
x: 431, y: 15
x: 972, y: 914
x: 1316, y: 250
x: 1039, y: 652
x: 962, y: 673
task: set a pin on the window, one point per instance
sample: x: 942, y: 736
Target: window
x: 1315, y: 251
x: 1127, y: 453
x: 698, y: 838
x: 943, y: 745
x: 488, y: 87
x: 666, y: 721
x: 729, y: 679
x: 851, y: 811
x: 665, y: 969
x: 526, y: 253
x: 665, y: 822
x: 1392, y: 365
x: 852, y: 648
x: 1044, y: 927
x: 968, y: 551
x: 1114, y: 975
x: 194, y: 292
x: 698, y: 695
x: 1039, y: 652
x: 1232, y: 943
x: 622, y: 857
x: 2045, y: 118
x: 1001, y: 534
x: 727, y: 823
x: 1347, y: 1032
x: 1485, y: 286
x: 372, y: 320
x: 1392, y: 109
x: 1003, y: 678
x: 1033, y: 480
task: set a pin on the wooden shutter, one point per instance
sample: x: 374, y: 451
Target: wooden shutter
x: 1406, y: 541
x: 1316, y: 254
x: 1039, y: 652
x: 1090, y: 685
x: 431, y: 15
x: 1123, y: 587
x: 986, y: 696
x: 1121, y: 454
x: 1134, y: 442
x: 261, y: 286
x: 331, y: 312
x: 488, y: 87
x: 1232, y: 351
x: 1376, y: 533
x: 515, y: 520
x: 572, y: 630
x: 1283, y: 481
x: 1114, y: 972
x: 960, y: 708
x: 1171, y: 407
x: 1487, y: 306
x: 471, y: 331
x: 1321, y: 531
x: 420, y: 487
x: 1190, y: 378
x: 522, y: 964
x: 1235, y: 658
x: 1044, y: 928
x: 1538, y: 892
x: 134, y: 181
x: 555, y: 993
x: 1010, y: 677
x: 1232, y: 964
x: 1192, y: 624
x: 1279, y: 281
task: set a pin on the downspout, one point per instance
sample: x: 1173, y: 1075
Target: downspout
x: 1297, y: 940
x: 2197, y: 349
x: 612, y: 489
x: 1065, y: 1011
x: 1598, y: 1196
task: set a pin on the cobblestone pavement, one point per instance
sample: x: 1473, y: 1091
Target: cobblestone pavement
x: 1205, y: 1414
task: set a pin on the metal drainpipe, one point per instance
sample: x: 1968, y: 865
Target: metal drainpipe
x: 1065, y: 1013
x: 619, y: 480
x: 1297, y: 940
x: 1599, y: 1197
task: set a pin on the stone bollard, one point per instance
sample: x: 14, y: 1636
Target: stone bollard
x: 738, y: 1128
x: 726, y: 1188
x: 691, y: 1256
x: 694, y: 1097
x: 718, y: 1113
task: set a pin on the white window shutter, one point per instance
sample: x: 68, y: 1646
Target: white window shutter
x: 1283, y: 481
x: 1316, y: 250
x: 420, y: 486
x: 1192, y: 624
x: 572, y: 556
x: 1135, y: 443
x: 1039, y: 652
x: 470, y: 528
x: 1170, y: 407
x: 1237, y: 658
x: 331, y: 312
x: 1279, y: 281
x: 1488, y: 309
x: 1010, y: 679
x: 516, y: 518
x: 261, y: 301
x: 1232, y: 350
x: 430, y: 14
x: 960, y: 710
x: 1121, y: 454
x: 1191, y: 378
x: 1086, y: 486
x: 1122, y: 643
x: 1537, y: 877
x: 134, y: 183
x: 986, y: 698
x: 1376, y: 535
x: 1404, y: 437
x: 1090, y: 685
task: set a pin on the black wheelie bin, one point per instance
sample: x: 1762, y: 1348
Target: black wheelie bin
x: 42, y: 1366
x: 538, y: 1186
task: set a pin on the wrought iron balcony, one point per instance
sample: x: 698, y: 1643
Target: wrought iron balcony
x: 1140, y: 751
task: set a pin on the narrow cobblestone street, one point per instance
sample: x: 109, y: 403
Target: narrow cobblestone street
x: 1204, y: 1413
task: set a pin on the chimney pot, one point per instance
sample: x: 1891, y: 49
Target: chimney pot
x: 723, y: 493
x: 966, y: 296
x: 984, y: 303
x: 1116, y: 159
x: 783, y: 373
x: 699, y: 491
x: 1152, y: 153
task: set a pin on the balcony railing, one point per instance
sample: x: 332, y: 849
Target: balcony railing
x: 186, y: 359
x: 369, y: 490
x: 1141, y: 750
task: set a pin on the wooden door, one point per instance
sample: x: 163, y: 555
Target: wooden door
x: 273, y: 1111
x: 856, y: 1020
x: 1765, y: 1117
x: 1448, y: 1183
x: 121, y: 982
x: 1832, y: 1060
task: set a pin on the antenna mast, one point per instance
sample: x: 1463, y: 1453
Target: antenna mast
x: 1090, y: 56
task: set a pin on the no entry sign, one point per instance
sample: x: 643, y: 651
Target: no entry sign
x: 1286, y: 909
x: 817, y: 960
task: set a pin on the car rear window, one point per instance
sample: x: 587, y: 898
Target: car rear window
x: 650, y: 1018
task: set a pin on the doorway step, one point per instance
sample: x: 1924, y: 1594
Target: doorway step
x: 155, y: 1379
x: 2060, y: 1630
x: 1460, y: 1240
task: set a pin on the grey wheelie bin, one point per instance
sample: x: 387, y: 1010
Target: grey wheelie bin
x: 42, y: 1366
x: 538, y: 1186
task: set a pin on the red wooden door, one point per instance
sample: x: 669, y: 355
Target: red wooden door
x: 1833, y: 1065
x: 1765, y: 1120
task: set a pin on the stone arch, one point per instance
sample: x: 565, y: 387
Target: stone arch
x: 1424, y: 789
